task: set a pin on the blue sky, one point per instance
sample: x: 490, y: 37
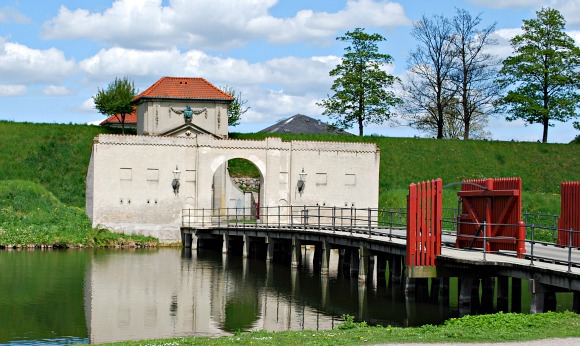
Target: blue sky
x: 55, y: 54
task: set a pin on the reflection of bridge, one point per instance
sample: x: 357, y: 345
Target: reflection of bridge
x: 367, y: 237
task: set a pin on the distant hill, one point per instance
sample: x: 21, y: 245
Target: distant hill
x: 303, y: 124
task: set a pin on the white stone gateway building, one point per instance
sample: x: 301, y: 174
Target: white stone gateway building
x: 182, y: 127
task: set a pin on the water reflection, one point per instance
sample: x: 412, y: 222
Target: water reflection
x: 168, y: 293
x: 77, y: 296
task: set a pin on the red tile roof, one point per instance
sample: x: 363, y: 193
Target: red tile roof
x: 129, y: 119
x: 183, y: 88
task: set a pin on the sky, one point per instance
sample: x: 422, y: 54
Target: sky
x: 55, y: 55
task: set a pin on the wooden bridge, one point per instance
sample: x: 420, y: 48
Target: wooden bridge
x: 366, y: 238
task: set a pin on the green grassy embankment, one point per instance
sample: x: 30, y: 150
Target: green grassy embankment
x: 42, y: 187
x: 56, y: 156
x: 542, y: 167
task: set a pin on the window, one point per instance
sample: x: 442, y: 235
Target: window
x: 320, y: 178
x: 152, y: 174
x: 126, y: 174
x: 350, y: 179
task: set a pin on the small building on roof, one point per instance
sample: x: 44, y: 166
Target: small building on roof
x: 115, y: 121
x: 301, y: 123
x: 182, y: 106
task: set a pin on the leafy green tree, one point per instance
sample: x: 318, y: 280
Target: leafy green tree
x: 236, y: 108
x: 543, y: 72
x: 360, y: 87
x: 116, y: 99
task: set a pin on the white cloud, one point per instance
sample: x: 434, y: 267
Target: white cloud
x: 21, y: 64
x: 294, y: 75
x: 11, y: 15
x: 56, y: 90
x: 12, y: 90
x: 204, y: 23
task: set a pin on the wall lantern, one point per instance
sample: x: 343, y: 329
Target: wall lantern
x: 301, y: 182
x: 175, y: 182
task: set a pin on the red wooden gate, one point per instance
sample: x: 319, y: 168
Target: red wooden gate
x: 491, y: 207
x: 424, y: 212
x: 569, y: 213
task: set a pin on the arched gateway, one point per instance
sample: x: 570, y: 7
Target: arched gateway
x: 142, y: 183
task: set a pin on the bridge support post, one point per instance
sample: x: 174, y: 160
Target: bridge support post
x: 502, y: 293
x: 186, y: 239
x: 444, y: 291
x: 396, y: 267
x: 543, y: 298
x: 516, y: 295
x: 465, y: 290
x: 354, y: 262
x: 295, y: 252
x: 363, y: 269
x: 381, y: 270
x: 487, y: 293
x: 325, y: 258
x: 270, y: 249
x: 576, y: 302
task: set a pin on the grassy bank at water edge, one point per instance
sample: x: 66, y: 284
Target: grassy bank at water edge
x: 31, y: 216
x: 483, y: 328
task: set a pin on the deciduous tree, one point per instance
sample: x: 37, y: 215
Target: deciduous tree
x: 116, y: 99
x: 429, y: 90
x: 541, y: 77
x: 237, y: 107
x: 474, y: 70
x: 360, y: 87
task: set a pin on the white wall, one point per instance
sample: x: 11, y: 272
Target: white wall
x: 129, y: 177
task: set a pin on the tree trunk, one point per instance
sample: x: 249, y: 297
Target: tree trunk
x: 466, y: 131
x: 123, y: 123
x: 546, y: 124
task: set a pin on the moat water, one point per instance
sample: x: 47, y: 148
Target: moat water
x: 95, y: 296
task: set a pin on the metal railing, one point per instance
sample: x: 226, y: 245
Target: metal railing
x: 540, y: 241
x: 354, y: 220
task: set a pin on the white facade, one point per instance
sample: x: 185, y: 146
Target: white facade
x: 129, y: 177
x: 165, y: 117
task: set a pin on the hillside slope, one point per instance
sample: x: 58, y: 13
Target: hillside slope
x: 56, y: 156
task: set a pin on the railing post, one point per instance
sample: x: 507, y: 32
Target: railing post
x: 570, y: 252
x: 319, y: 218
x: 304, y: 218
x: 202, y: 217
x: 351, y: 220
x: 532, y: 246
x: 370, y: 225
x: 219, y: 217
x: 391, y: 224
x: 484, y: 239
x: 334, y: 219
x: 279, y: 216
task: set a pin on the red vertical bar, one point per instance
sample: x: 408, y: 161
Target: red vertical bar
x: 411, y: 224
x: 420, y: 218
x: 438, y: 216
x: 428, y: 224
x: 424, y: 225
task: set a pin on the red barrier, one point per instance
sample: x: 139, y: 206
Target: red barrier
x: 492, y: 207
x: 569, y: 213
x: 424, y: 213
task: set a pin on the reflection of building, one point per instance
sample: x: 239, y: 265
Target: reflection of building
x: 146, y: 294
x: 130, y: 179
